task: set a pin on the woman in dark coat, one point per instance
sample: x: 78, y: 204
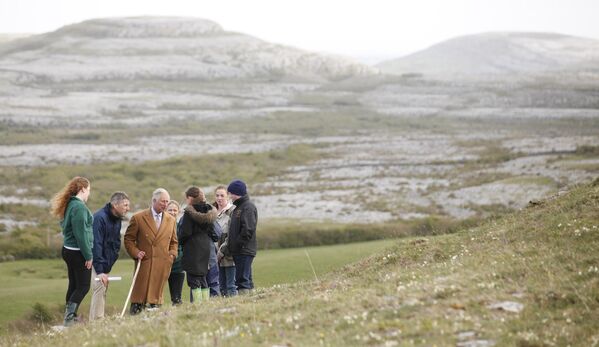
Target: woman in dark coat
x: 197, y: 237
x: 177, y: 276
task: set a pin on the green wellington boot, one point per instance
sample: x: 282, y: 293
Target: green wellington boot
x: 205, y: 294
x: 197, y: 295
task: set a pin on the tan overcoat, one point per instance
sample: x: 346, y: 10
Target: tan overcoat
x: 141, y: 235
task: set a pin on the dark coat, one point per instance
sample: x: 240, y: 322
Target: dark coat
x: 107, y: 239
x: 177, y: 267
x: 196, y: 231
x: 242, y: 227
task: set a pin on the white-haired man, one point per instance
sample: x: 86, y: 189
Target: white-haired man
x: 151, y: 238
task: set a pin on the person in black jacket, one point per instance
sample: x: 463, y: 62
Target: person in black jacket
x: 105, y: 250
x: 177, y: 276
x: 197, y: 238
x: 242, y: 235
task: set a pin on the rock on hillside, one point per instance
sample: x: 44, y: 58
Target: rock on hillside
x: 162, y: 48
x: 501, y: 54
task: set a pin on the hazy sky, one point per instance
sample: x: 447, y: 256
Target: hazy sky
x: 367, y: 30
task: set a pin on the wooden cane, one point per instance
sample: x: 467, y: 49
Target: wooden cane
x: 131, y: 289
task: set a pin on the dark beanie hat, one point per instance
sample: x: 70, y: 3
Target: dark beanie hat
x: 237, y: 187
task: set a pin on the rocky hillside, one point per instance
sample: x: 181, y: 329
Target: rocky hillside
x: 502, y: 54
x: 165, y: 48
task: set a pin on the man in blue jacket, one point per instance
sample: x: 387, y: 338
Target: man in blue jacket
x: 107, y: 243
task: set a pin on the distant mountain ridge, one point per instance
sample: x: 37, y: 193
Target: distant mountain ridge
x: 163, y: 48
x: 502, y: 53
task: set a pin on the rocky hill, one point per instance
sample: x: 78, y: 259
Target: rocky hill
x: 166, y: 48
x: 502, y: 54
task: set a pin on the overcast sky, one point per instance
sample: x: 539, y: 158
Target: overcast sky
x: 370, y: 30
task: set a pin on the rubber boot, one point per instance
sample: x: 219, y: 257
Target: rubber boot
x: 197, y: 295
x: 205, y: 294
x: 70, y: 313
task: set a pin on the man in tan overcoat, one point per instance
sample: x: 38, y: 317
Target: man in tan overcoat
x: 151, y: 238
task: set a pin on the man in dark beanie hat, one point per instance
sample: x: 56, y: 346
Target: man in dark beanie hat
x: 242, y: 235
x: 238, y: 188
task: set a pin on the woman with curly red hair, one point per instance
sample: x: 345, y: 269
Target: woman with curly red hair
x: 76, y: 221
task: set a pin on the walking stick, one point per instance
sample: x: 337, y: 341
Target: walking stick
x: 131, y: 289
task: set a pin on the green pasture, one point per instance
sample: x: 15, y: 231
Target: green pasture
x: 27, y: 282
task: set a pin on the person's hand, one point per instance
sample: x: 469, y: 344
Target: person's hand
x: 88, y: 264
x: 141, y: 255
x: 104, y: 279
x: 219, y: 256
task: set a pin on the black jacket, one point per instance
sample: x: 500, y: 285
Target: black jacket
x: 196, y: 231
x: 242, y: 227
x: 107, y: 239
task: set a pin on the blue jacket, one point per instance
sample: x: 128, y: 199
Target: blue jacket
x: 107, y: 239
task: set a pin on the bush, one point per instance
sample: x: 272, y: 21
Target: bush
x: 41, y: 314
x: 288, y: 235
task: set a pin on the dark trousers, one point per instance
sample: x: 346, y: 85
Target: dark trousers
x: 175, y: 286
x: 196, y: 281
x: 79, y: 276
x: 243, y: 271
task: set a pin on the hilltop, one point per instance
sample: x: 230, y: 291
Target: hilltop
x: 501, y: 54
x: 528, y: 279
x: 164, y: 48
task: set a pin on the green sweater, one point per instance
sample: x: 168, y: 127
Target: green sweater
x: 77, y: 227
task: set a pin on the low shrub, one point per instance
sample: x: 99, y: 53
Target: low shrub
x: 41, y: 314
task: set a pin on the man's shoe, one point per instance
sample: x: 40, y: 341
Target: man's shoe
x: 135, y: 308
x: 153, y: 307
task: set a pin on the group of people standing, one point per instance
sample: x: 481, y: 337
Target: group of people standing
x: 212, y: 244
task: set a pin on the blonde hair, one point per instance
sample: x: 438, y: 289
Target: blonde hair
x: 174, y: 202
x: 60, y: 201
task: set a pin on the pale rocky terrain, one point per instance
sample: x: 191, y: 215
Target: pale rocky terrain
x: 422, y: 146
x: 496, y: 54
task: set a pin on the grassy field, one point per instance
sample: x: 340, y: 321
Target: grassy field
x: 526, y: 279
x: 27, y: 282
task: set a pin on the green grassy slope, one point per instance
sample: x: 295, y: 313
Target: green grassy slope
x: 27, y: 282
x: 438, y: 291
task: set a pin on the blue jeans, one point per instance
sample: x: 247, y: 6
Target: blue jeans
x: 212, y: 279
x: 227, y: 281
x: 243, y: 271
